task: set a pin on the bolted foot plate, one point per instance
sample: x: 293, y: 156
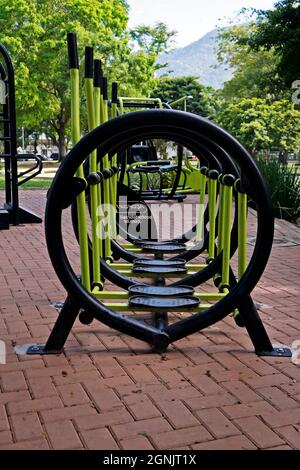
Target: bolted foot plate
x: 35, y: 349
x: 278, y: 351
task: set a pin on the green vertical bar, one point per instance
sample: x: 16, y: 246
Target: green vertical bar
x: 201, y: 208
x: 106, y: 187
x: 114, y: 114
x: 242, y: 234
x: 97, y: 109
x: 221, y: 219
x: 89, y: 87
x: 212, y: 194
x: 226, y: 234
x: 81, y: 208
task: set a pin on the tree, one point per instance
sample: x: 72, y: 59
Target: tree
x: 204, y: 101
x: 272, y: 38
x: 35, y: 34
x: 259, y: 125
x: 279, y: 29
x: 153, y: 39
x: 256, y: 72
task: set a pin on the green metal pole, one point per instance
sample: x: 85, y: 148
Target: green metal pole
x: 221, y: 219
x: 199, y: 234
x: 114, y: 178
x: 81, y: 207
x: 89, y: 87
x: 212, y: 194
x: 97, y: 105
x: 227, y: 191
x: 106, y: 185
x: 242, y: 234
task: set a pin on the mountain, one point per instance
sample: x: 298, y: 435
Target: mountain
x: 198, y: 59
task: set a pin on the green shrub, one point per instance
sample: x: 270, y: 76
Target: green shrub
x: 284, y: 185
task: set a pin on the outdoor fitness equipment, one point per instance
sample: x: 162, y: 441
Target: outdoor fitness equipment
x: 86, y: 296
x: 153, y: 172
x: 12, y: 213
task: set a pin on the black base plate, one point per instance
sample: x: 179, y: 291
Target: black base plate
x: 278, y: 351
x: 39, y: 349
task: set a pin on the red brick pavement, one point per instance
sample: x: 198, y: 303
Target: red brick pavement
x: 108, y: 391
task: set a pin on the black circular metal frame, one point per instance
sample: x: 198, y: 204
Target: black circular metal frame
x: 215, y: 158
x: 158, y: 122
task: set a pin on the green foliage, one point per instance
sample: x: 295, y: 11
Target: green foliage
x: 260, y: 125
x: 204, y: 101
x: 256, y: 72
x: 35, y: 35
x: 279, y: 29
x: 284, y: 185
x: 153, y: 39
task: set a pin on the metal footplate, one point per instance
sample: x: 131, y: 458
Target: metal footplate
x: 163, y: 304
x: 180, y: 263
x: 158, y: 270
x: 143, y: 242
x: 161, y: 291
x: 163, y: 248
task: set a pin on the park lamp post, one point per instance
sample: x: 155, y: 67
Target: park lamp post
x: 183, y: 99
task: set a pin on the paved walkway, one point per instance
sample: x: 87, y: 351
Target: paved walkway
x: 108, y: 392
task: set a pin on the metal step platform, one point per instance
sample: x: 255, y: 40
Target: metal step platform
x: 163, y: 304
x: 161, y: 291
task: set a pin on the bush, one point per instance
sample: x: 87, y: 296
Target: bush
x: 284, y: 185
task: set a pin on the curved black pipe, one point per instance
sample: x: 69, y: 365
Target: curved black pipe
x: 179, y: 121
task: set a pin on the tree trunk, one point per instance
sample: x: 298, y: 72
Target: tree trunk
x: 62, y: 142
x: 59, y: 126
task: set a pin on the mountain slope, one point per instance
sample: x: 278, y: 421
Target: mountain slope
x: 198, y: 59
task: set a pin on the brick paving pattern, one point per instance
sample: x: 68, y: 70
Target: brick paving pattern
x: 108, y: 391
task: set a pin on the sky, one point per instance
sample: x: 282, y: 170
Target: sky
x: 190, y: 18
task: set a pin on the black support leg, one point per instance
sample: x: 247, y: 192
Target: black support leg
x: 257, y: 331
x: 60, y: 332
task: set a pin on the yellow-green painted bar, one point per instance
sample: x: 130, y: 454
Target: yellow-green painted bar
x: 129, y: 272
x: 81, y: 207
x: 200, y: 222
x: 125, y: 307
x: 97, y: 109
x: 114, y: 113
x: 226, y: 234
x: 106, y: 189
x: 242, y: 234
x: 207, y: 296
x: 125, y: 266
x: 89, y: 87
x: 220, y: 219
x: 212, y: 194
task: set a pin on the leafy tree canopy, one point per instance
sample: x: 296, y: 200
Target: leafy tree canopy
x: 35, y: 35
x: 203, y: 101
x: 256, y: 71
x: 278, y: 29
x: 260, y: 125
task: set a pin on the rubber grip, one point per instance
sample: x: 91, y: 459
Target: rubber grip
x: 114, y: 92
x: 72, y: 51
x: 104, y: 88
x: 89, y: 62
x: 97, y: 73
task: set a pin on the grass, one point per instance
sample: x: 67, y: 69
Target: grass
x: 284, y: 185
x: 35, y: 183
